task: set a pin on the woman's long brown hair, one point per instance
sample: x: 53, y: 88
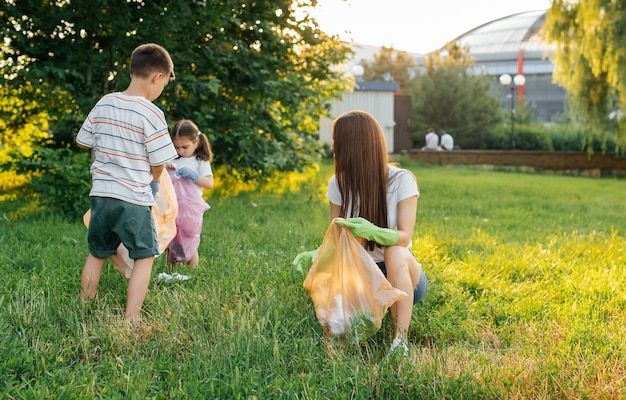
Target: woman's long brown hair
x: 361, y: 167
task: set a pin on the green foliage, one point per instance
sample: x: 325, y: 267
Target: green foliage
x: 588, y: 61
x: 446, y: 96
x: 391, y: 65
x: 525, y: 301
x: 497, y: 138
x: 562, y: 136
x: 254, y: 76
x: 536, y: 136
x: 532, y: 137
x: 61, y: 178
x: 569, y: 137
x: 23, y: 123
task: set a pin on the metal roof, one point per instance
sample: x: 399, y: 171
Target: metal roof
x: 508, y: 34
x: 376, y: 86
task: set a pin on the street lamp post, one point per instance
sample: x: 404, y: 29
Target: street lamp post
x: 358, y: 71
x: 507, y: 80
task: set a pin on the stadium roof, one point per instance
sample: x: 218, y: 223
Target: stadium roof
x: 508, y: 34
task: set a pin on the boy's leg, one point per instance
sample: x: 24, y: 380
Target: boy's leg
x: 137, y: 232
x: 90, y: 277
x: 138, y: 287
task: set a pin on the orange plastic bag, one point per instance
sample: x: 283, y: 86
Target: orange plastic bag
x: 350, y: 293
x: 164, y: 213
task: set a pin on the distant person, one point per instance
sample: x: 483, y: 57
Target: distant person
x: 432, y: 140
x: 447, y: 141
x: 380, y: 209
x: 131, y: 145
x: 190, y: 173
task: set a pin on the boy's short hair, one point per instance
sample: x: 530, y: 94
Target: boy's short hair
x: 149, y: 58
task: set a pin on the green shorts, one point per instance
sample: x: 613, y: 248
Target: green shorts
x: 116, y: 221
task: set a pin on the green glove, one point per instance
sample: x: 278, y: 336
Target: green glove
x: 362, y: 228
x: 304, y: 260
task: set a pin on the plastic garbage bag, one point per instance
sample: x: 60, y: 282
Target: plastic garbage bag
x: 350, y: 293
x: 164, y: 212
x: 188, y: 221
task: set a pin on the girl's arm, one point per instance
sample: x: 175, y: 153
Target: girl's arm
x: 335, y: 211
x: 407, y: 210
x: 205, y: 182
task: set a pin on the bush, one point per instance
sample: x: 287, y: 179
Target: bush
x: 575, y: 137
x: 497, y: 139
x: 527, y: 137
x: 568, y: 137
x: 533, y: 137
x: 61, y: 179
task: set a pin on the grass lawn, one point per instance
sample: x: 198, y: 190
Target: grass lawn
x: 527, y: 300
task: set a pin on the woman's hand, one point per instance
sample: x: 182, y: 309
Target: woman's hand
x: 362, y: 228
x: 304, y: 260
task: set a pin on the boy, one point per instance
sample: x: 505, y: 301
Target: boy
x: 131, y: 144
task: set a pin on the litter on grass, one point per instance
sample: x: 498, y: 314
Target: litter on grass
x: 163, y: 276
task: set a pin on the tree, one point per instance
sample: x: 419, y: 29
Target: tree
x: 255, y: 76
x: 448, y: 95
x: 589, y: 61
x: 31, y: 122
x: 391, y: 65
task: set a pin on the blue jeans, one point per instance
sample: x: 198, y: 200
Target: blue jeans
x: 422, y: 286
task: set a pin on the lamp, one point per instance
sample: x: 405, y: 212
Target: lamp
x: 507, y: 80
x: 357, y: 72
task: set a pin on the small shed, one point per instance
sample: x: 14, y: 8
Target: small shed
x: 375, y: 98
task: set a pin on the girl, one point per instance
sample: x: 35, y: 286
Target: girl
x: 190, y: 173
x: 379, y: 204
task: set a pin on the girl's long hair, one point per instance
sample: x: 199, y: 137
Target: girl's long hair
x: 361, y: 167
x: 186, y: 128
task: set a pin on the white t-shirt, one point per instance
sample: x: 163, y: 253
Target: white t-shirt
x: 203, y: 168
x: 447, y: 142
x: 401, y: 185
x: 432, y: 140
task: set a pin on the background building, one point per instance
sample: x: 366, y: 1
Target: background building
x: 512, y: 45
x: 509, y: 45
x: 376, y: 98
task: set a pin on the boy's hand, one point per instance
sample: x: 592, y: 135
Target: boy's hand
x: 188, y: 173
x: 155, y: 188
x: 304, y: 260
x: 362, y: 228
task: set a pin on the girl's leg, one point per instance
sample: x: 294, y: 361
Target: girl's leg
x: 195, y: 259
x: 403, y: 272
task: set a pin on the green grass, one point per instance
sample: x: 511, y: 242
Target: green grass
x: 527, y: 300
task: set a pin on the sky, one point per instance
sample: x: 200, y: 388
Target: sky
x: 415, y: 26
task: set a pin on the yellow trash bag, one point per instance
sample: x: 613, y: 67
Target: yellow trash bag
x: 350, y: 293
x: 164, y: 213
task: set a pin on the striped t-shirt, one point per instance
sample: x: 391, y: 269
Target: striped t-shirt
x: 128, y: 134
